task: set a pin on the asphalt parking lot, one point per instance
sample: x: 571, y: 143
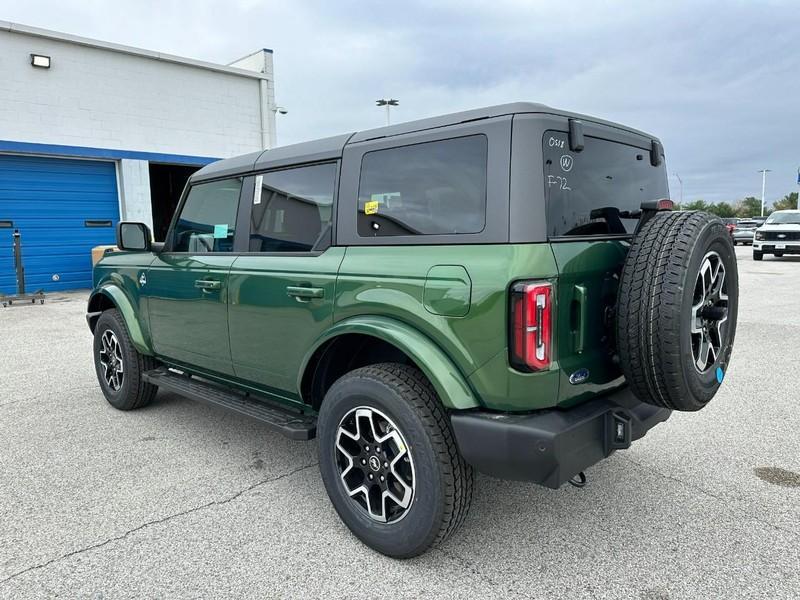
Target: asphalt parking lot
x: 183, y: 500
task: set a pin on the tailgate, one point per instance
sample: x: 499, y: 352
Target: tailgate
x: 587, y: 291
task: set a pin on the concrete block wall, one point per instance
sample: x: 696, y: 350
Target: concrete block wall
x: 100, y: 98
x: 102, y: 95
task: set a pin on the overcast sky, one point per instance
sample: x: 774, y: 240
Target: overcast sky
x: 718, y: 82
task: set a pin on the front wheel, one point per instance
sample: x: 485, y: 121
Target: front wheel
x: 119, y: 365
x: 389, y: 460
x: 779, y: 254
x: 757, y: 255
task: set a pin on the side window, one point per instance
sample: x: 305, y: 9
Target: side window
x: 208, y: 218
x: 424, y: 189
x: 292, y: 208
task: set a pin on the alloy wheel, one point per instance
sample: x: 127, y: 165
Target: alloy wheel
x: 709, y: 312
x: 111, y: 360
x: 375, y: 464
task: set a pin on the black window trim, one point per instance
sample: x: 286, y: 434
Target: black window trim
x: 170, y: 238
x: 597, y: 236
x: 422, y: 143
x: 498, y: 179
x: 324, y: 241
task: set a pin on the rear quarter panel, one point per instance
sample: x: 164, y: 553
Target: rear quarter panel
x: 390, y: 281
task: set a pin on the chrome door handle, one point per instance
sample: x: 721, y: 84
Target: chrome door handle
x: 208, y: 284
x: 304, y: 293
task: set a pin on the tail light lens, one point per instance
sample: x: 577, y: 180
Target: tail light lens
x: 665, y: 204
x: 531, y: 316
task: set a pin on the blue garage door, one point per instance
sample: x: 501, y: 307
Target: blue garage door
x: 62, y: 208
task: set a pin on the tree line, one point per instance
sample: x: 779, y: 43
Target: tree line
x: 748, y: 207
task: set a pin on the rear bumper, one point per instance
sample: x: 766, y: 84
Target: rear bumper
x: 550, y: 447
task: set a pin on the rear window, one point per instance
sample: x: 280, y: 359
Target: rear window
x: 424, y: 189
x: 593, y: 192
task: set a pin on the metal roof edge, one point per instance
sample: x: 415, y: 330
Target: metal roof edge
x: 130, y: 50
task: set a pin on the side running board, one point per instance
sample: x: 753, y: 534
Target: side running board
x: 293, y: 425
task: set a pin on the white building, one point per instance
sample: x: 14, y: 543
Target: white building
x: 93, y: 132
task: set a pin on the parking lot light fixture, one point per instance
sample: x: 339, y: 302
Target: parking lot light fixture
x: 388, y: 103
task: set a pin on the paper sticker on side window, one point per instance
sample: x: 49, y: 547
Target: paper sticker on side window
x: 220, y: 231
x: 371, y: 207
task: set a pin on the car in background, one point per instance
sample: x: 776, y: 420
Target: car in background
x: 730, y: 224
x: 779, y: 235
x: 743, y: 231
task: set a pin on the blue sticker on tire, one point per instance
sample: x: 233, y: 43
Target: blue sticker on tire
x: 720, y: 374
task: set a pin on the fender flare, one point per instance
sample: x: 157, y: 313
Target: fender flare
x: 125, y: 307
x: 450, y: 385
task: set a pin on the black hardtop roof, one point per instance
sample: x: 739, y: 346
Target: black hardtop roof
x: 332, y: 147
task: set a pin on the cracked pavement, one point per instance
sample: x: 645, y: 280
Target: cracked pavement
x: 184, y: 500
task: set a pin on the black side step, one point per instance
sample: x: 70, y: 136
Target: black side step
x: 293, y: 425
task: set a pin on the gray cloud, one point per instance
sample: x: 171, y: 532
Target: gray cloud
x: 718, y: 82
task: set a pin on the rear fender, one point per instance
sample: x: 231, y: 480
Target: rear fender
x: 451, y: 387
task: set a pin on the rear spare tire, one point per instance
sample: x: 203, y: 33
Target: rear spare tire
x: 676, y: 309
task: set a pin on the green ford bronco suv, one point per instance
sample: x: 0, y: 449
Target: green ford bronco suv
x: 504, y: 290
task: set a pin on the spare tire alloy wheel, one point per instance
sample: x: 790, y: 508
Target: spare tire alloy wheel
x: 677, y: 309
x: 709, y: 312
x: 375, y: 464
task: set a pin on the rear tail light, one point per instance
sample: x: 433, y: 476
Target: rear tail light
x: 665, y: 204
x: 531, y: 342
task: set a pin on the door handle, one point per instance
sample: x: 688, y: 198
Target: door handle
x: 304, y: 293
x: 208, y: 284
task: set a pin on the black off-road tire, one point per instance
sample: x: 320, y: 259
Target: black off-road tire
x: 655, y: 314
x: 778, y: 254
x: 443, y: 482
x: 758, y: 255
x: 133, y: 391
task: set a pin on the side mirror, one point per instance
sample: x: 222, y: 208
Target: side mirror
x: 133, y: 237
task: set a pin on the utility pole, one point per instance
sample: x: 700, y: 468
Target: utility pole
x: 388, y: 103
x: 763, y: 187
x: 680, y: 181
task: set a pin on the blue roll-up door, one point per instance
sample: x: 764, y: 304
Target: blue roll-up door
x: 62, y: 208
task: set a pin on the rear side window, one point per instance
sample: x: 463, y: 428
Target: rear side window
x: 424, y: 189
x: 594, y: 191
x: 208, y: 218
x: 292, y: 208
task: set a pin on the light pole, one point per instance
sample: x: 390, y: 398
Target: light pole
x: 388, y: 103
x: 680, y: 181
x: 763, y: 187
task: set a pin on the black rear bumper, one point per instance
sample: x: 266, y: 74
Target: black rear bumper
x: 550, y: 447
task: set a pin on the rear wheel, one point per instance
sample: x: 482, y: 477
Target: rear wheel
x: 677, y: 308
x: 389, y: 461
x: 119, y: 366
x: 779, y: 254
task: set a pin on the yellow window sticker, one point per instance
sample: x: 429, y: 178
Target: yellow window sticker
x: 371, y: 207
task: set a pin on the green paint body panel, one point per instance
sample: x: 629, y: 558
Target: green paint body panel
x: 448, y: 291
x: 116, y: 276
x: 189, y: 324
x: 449, y: 383
x: 390, y: 281
x: 446, y: 307
x: 271, y: 331
x: 586, y: 293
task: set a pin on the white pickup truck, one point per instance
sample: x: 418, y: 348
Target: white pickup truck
x: 779, y: 235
